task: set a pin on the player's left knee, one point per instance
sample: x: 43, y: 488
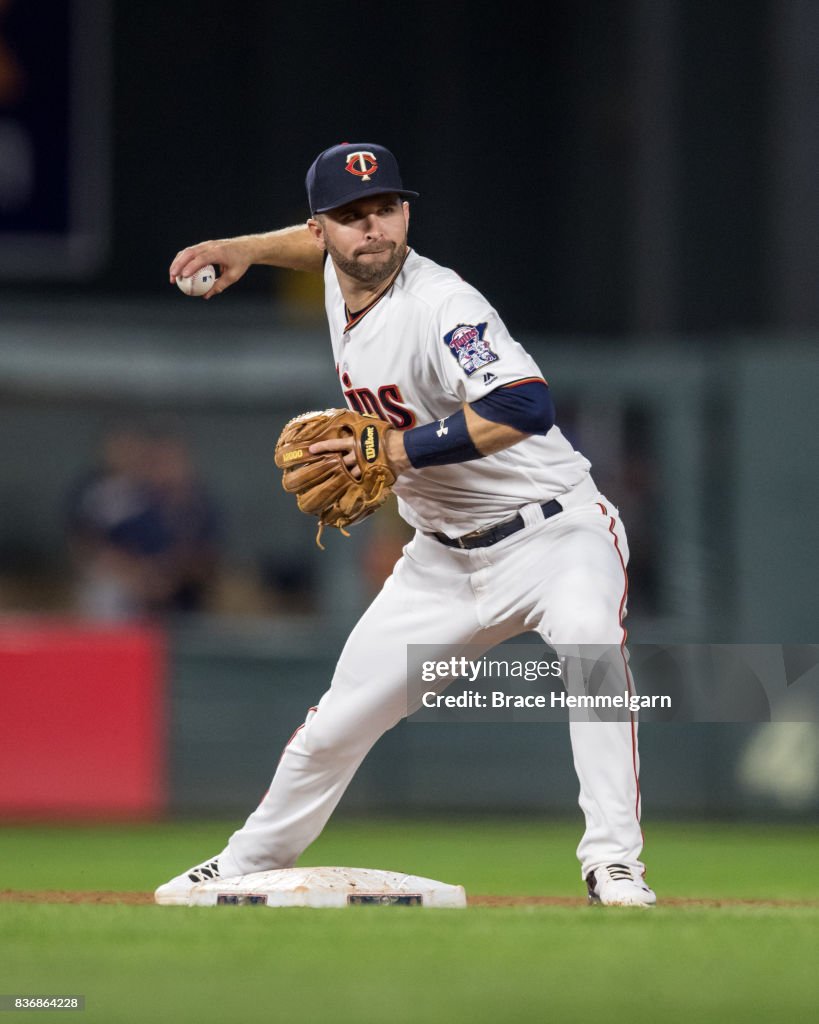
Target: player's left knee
x: 331, y: 744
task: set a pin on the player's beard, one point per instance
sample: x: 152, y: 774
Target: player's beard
x: 373, y: 272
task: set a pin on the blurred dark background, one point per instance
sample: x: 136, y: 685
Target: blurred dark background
x: 597, y: 167
x: 632, y: 184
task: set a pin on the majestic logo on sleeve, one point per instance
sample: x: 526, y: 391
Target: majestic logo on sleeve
x: 468, y: 345
x: 362, y: 164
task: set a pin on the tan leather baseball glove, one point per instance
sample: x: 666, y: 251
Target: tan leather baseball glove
x: 324, y: 486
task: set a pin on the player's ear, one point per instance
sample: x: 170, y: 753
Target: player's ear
x: 316, y: 229
x: 405, y: 204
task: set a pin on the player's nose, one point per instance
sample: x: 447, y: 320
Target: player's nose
x: 373, y: 228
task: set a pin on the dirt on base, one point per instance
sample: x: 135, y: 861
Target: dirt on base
x: 147, y: 899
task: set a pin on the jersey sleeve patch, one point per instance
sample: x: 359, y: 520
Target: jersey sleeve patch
x: 468, y: 345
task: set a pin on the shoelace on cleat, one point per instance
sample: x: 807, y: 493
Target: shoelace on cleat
x: 619, y: 872
x: 204, y: 871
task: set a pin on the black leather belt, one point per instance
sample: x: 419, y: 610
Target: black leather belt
x: 485, y: 538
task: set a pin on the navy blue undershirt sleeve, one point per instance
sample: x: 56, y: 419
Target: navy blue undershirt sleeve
x: 526, y: 406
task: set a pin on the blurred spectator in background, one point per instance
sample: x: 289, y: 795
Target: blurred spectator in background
x: 144, y: 532
x: 114, y: 529
x: 191, y: 524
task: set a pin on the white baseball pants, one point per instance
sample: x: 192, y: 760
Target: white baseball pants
x: 564, y: 577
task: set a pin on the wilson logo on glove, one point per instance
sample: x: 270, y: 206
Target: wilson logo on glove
x: 369, y: 443
x: 324, y: 486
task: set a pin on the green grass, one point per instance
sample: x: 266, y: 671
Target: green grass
x: 506, y: 856
x: 374, y: 965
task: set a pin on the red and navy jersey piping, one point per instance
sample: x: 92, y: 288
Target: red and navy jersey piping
x: 525, y: 380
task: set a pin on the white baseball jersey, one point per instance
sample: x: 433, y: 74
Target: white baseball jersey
x: 430, y: 343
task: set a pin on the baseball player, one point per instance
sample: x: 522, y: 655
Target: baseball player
x: 511, y: 533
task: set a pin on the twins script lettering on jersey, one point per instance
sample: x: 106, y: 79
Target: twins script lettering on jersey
x: 388, y: 403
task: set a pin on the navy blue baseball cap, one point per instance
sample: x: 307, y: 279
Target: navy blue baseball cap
x: 347, y: 172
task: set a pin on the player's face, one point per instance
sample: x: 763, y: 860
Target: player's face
x: 367, y: 239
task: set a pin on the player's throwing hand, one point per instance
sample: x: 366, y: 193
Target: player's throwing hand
x: 229, y: 254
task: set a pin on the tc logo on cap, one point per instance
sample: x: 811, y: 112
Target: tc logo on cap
x: 330, y: 178
x: 362, y: 164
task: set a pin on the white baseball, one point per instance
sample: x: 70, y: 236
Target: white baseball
x: 198, y: 283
